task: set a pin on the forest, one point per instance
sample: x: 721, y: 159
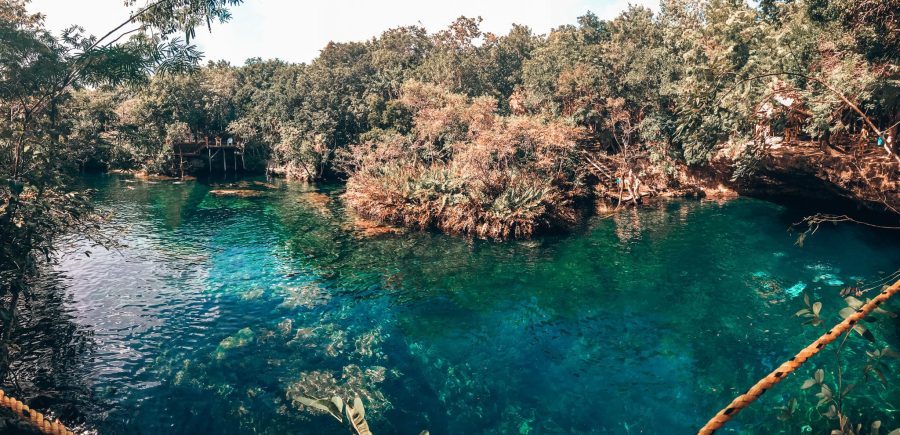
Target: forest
x: 507, y: 135
x: 479, y: 136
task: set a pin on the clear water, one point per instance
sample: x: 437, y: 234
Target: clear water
x: 219, y: 311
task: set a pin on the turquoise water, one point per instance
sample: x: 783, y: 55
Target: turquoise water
x: 220, y: 311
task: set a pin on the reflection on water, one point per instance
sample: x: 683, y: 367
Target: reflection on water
x: 219, y: 312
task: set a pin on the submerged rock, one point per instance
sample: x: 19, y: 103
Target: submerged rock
x: 829, y: 279
x: 819, y: 267
x: 243, y: 337
x: 285, y: 327
x: 253, y: 294
x: 719, y: 192
x: 240, y: 193
x: 141, y: 175
x: 368, y: 344
x: 264, y: 184
x: 307, y: 296
x: 796, y: 289
x: 370, y: 228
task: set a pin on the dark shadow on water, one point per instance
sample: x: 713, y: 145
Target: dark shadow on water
x: 50, y: 352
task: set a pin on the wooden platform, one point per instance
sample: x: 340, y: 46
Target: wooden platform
x: 209, y: 150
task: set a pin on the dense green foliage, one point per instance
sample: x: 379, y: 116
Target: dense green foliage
x: 701, y: 80
x: 641, y: 97
x: 57, y: 117
x: 678, y: 83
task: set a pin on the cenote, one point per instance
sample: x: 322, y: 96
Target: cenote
x: 218, y: 312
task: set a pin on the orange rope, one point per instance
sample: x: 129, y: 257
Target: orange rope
x: 781, y: 372
x: 36, y: 418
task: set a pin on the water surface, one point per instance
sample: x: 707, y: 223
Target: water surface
x: 219, y: 312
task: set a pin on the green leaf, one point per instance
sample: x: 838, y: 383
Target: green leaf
x: 355, y: 417
x: 808, y: 384
x: 847, y: 390
x: 853, y: 302
x: 876, y: 425
x: 846, y: 312
x: 889, y: 352
x: 331, y: 406
x: 864, y: 332
x: 880, y: 310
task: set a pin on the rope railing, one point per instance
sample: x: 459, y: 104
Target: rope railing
x: 50, y: 427
x: 789, y: 366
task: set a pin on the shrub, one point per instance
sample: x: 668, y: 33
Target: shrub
x: 463, y: 169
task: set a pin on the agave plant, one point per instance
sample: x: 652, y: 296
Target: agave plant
x: 352, y: 416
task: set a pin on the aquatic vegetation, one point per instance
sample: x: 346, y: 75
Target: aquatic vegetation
x: 307, y: 296
x: 370, y: 228
x: 459, y: 386
x: 811, y: 312
x: 796, y: 289
x: 319, y: 201
x: 353, y: 415
x: 252, y: 294
x: 821, y: 267
x: 516, y: 420
x: 215, y: 202
x: 143, y: 175
x: 326, y: 337
x: 285, y: 327
x: 353, y: 383
x: 367, y: 344
x: 835, y: 396
x: 240, y: 193
x: 242, y: 338
x: 769, y: 288
x: 265, y: 185
x: 829, y: 279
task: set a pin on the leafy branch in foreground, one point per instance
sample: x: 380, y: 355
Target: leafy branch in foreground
x: 833, y: 396
x: 39, y: 202
x: 353, y: 416
x: 813, y: 222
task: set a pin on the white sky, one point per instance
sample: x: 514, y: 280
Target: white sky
x: 295, y: 30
